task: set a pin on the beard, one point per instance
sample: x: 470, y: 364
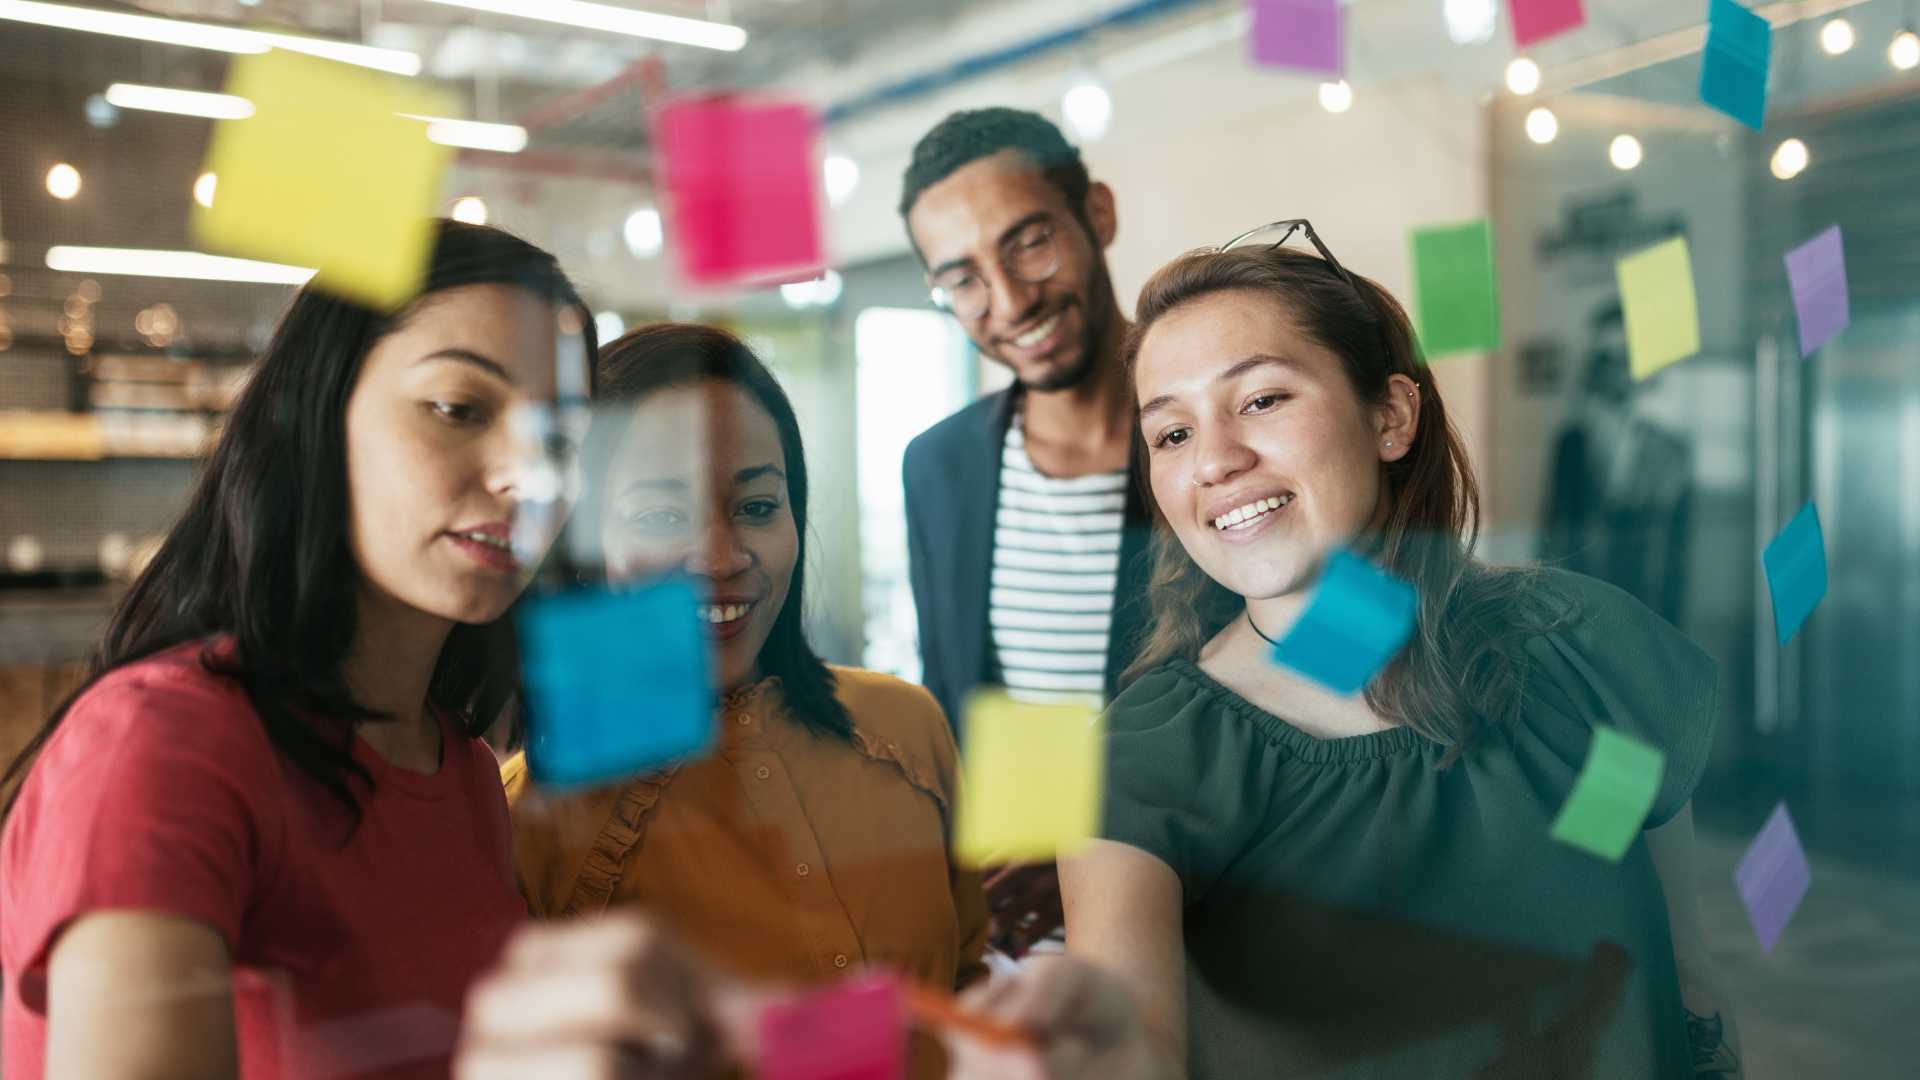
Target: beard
x: 1096, y: 313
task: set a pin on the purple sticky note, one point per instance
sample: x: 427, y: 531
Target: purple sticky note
x: 1773, y: 877
x: 743, y: 201
x: 1817, y: 273
x: 856, y: 1030
x: 1537, y: 20
x: 1307, y: 35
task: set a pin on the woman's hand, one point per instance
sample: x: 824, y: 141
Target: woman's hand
x: 613, y: 996
x: 1082, y: 1021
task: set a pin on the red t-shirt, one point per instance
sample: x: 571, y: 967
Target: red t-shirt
x: 352, y: 950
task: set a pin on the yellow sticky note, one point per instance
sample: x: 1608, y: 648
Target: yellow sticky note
x: 327, y: 173
x: 1663, y: 319
x: 1031, y: 777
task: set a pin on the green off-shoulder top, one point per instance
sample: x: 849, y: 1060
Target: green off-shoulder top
x: 1353, y: 909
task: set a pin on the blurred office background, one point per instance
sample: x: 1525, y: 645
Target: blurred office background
x: 110, y: 384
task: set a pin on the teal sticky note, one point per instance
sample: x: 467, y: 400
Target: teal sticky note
x: 1457, y: 301
x: 1733, y: 66
x: 617, y: 681
x: 1796, y: 565
x: 1611, y: 796
x: 1358, y: 619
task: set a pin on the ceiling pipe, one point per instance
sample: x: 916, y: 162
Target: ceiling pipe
x: 982, y: 63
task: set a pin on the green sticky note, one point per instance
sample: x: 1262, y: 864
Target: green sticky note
x: 1663, y: 318
x: 1611, y: 796
x: 1456, y: 295
x: 1031, y: 780
x: 327, y: 173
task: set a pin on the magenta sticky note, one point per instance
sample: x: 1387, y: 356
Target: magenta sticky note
x: 1773, y: 877
x: 1538, y: 20
x: 743, y: 204
x: 1306, y: 35
x: 1817, y: 273
x: 856, y: 1030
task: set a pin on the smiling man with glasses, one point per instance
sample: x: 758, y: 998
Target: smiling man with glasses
x: 1025, y: 527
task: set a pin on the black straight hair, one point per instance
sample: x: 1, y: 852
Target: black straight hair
x: 666, y: 355
x: 261, y: 553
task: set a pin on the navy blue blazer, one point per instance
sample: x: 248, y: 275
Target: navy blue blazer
x: 952, y: 473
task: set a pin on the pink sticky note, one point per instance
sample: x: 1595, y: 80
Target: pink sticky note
x: 1307, y: 35
x: 743, y: 202
x: 856, y: 1030
x: 1537, y: 20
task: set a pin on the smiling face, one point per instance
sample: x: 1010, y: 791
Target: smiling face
x: 979, y: 226
x: 434, y: 468
x: 1261, y: 455
x: 722, y: 515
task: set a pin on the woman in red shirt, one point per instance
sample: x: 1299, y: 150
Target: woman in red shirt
x: 265, y: 838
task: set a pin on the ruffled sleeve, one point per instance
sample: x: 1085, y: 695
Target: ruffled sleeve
x: 1614, y: 662
x: 1189, y: 776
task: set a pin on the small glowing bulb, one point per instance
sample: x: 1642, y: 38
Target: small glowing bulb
x: 842, y: 178
x: 1904, y: 53
x: 1625, y: 152
x: 63, y: 181
x: 1336, y: 97
x: 203, y: 189
x: 643, y: 233
x: 1542, y: 126
x: 1470, y: 21
x: 1836, y: 36
x: 471, y: 209
x: 1523, y: 76
x: 1790, y: 159
x: 1088, y: 109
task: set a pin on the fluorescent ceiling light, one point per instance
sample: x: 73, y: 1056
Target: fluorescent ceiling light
x: 141, y: 27
x: 143, y: 262
x: 396, y: 61
x: 193, y: 35
x: 474, y: 134
x: 179, y: 102
x: 617, y: 20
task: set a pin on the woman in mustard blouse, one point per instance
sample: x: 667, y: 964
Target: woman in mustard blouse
x: 811, y: 842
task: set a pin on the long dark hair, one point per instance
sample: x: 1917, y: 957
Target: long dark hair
x: 1465, y: 667
x: 261, y: 554
x: 664, y: 355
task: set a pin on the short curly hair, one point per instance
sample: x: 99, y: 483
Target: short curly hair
x: 967, y: 136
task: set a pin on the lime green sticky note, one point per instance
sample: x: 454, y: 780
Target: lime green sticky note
x: 1031, y: 777
x: 327, y: 173
x: 1457, y: 299
x: 1611, y: 796
x: 1663, y: 319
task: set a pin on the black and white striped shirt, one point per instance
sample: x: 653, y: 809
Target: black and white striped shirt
x: 1056, y: 556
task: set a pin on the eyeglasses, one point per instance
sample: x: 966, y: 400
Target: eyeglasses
x: 1284, y: 230
x: 1031, y: 255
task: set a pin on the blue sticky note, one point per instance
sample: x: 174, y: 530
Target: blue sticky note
x: 1796, y: 565
x: 1358, y: 619
x: 617, y: 681
x: 1733, y: 71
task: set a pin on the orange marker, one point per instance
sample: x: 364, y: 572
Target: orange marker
x: 934, y: 1009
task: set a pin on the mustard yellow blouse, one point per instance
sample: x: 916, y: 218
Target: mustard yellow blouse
x: 784, y: 855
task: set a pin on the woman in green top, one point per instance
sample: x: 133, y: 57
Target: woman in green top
x: 1295, y: 882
